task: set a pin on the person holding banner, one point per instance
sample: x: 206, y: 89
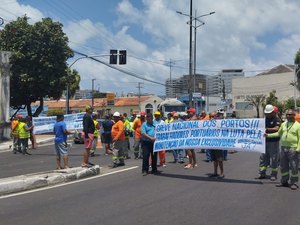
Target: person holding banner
x: 191, y: 152
x: 161, y: 154
x: 177, y: 153
x: 148, y: 139
x: 88, y: 135
x: 271, y: 155
x: 289, y: 133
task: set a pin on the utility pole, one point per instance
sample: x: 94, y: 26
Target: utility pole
x: 190, y: 58
x: 139, y: 94
x: 93, y: 80
x: 170, y: 64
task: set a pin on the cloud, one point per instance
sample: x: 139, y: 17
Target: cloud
x: 251, y: 34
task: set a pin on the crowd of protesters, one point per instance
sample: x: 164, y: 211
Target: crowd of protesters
x: 282, y: 142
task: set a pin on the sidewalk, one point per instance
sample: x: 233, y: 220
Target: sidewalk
x: 26, y: 182
x: 40, y: 139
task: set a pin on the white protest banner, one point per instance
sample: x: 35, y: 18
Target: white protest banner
x: 226, y: 134
x: 45, y: 124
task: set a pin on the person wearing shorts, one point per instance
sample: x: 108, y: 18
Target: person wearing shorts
x: 61, y: 147
x: 88, y: 135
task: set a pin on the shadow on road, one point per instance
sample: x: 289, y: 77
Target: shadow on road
x: 209, y: 179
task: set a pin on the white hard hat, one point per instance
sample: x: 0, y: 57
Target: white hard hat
x: 269, y: 109
x: 116, y: 114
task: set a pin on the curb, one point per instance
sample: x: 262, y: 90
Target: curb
x: 5, y: 145
x: 38, y: 180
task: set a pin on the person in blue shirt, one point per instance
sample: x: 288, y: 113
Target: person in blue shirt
x: 61, y: 146
x: 147, y: 143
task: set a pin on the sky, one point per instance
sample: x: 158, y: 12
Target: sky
x: 253, y: 35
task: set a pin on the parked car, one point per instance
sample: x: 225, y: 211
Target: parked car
x: 77, y: 137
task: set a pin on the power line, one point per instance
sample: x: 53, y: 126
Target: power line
x: 119, y: 69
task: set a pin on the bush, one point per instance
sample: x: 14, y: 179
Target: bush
x: 55, y: 112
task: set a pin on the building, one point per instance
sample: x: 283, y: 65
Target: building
x: 122, y: 104
x: 278, y: 78
x: 180, y: 86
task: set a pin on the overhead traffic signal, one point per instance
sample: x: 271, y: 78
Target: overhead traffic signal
x: 122, y: 57
x: 113, y: 57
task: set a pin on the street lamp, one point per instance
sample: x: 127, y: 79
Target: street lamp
x: 68, y: 91
x: 195, y: 26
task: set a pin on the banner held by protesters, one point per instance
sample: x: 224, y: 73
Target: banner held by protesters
x: 228, y: 134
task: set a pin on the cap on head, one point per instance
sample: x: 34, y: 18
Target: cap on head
x: 88, y: 107
x: 143, y: 114
x: 191, y: 110
x: 275, y: 109
x: 157, y: 113
x: 220, y: 111
x: 116, y: 114
x: 269, y: 109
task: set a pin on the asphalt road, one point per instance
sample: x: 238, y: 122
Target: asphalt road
x: 177, y: 196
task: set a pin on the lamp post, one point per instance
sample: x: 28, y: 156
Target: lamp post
x: 195, y: 26
x: 68, y: 91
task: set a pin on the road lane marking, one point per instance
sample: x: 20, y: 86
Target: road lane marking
x: 68, y: 183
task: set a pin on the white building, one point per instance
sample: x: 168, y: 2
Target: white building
x: 278, y: 78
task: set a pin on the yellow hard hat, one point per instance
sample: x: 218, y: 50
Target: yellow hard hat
x: 157, y: 113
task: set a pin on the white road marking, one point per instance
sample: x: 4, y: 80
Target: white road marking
x: 68, y: 183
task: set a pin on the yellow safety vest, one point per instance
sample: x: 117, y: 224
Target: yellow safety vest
x: 15, y: 127
x: 23, y: 133
x: 96, y: 132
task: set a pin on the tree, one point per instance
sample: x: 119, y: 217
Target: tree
x: 257, y: 101
x: 297, y: 69
x: 272, y: 99
x: 38, y: 65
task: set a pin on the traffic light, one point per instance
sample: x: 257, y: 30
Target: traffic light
x: 122, y: 57
x: 113, y: 56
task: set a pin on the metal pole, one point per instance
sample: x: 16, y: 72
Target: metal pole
x: 67, y: 99
x: 190, y: 58
x: 171, y: 86
x: 195, y: 39
x: 93, y: 92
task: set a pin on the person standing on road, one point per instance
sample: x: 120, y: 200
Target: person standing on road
x: 191, y: 152
x: 118, y: 138
x: 61, y: 146
x: 16, y: 145
x: 177, y: 153
x: 137, y: 135
x: 148, y: 132
x: 32, y: 135
x: 24, y: 135
x: 289, y: 133
x: 88, y: 135
x: 107, y: 140
x: 127, y: 132
x: 218, y: 155
x: 161, y: 154
x: 272, y: 145
x: 96, y: 135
